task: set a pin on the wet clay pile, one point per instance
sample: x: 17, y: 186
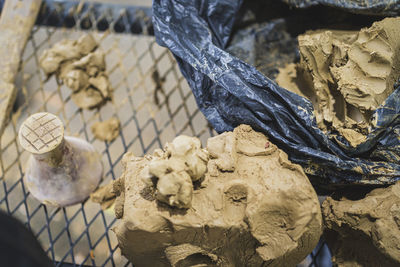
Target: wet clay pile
x: 365, y: 232
x: 80, y: 65
x: 106, y: 130
x: 347, y: 75
x: 239, y: 202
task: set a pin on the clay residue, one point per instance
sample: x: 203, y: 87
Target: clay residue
x: 365, y: 232
x: 106, y: 130
x: 250, y: 206
x: 349, y: 73
x: 80, y: 65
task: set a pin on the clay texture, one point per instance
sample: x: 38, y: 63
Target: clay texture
x: 250, y: 206
x: 80, y: 65
x: 173, y: 171
x: 106, y: 130
x: 349, y: 73
x: 365, y: 232
x: 104, y: 195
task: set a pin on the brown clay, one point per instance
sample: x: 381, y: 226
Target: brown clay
x: 365, y: 232
x: 349, y: 73
x: 106, y: 130
x: 250, y: 206
x: 80, y: 65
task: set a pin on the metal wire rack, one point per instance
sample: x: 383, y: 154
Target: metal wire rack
x: 151, y: 98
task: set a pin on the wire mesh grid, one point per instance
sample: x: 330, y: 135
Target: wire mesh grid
x: 151, y: 99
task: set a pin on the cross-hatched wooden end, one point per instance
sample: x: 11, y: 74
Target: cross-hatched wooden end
x: 41, y: 133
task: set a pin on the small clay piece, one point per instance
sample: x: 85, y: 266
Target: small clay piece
x: 365, y: 232
x: 349, y: 73
x: 87, y: 99
x: 173, y: 171
x: 80, y: 65
x: 106, y: 130
x: 62, y: 170
x: 76, y: 80
x: 104, y: 195
x: 100, y: 82
x: 240, y: 202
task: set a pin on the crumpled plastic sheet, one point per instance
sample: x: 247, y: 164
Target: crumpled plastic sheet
x: 231, y: 92
x: 372, y: 7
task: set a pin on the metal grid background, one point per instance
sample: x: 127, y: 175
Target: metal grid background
x: 151, y: 98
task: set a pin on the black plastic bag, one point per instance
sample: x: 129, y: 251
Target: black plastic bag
x: 230, y: 92
x: 373, y: 7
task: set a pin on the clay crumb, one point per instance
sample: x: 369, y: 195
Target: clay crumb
x: 106, y: 130
x: 80, y: 65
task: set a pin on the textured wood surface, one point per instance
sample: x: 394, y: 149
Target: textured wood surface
x: 40, y: 133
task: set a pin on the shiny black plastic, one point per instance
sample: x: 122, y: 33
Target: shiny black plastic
x: 372, y: 7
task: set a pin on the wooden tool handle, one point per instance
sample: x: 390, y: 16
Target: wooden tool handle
x: 16, y: 22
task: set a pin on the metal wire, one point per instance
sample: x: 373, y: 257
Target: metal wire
x: 151, y: 98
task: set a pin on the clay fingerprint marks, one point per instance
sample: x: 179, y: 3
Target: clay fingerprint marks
x: 280, y: 237
x: 190, y: 255
x: 41, y: 133
x: 350, y: 74
x: 364, y: 232
x: 235, y: 201
x: 373, y: 66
